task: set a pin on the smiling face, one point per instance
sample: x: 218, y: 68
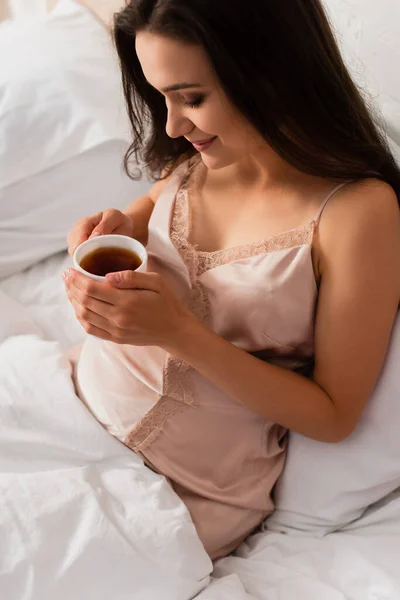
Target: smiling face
x: 198, y: 108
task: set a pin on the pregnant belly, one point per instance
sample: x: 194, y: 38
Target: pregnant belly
x: 119, y: 384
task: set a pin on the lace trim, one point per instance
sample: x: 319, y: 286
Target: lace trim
x: 178, y: 383
x: 198, y: 301
x: 199, y: 261
x: 178, y: 395
x: 291, y: 239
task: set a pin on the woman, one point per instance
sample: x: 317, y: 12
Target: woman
x: 274, y: 240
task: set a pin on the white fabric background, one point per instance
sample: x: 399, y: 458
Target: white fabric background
x: 63, y: 132
x: 26, y: 9
x: 368, y: 30
x: 369, y: 33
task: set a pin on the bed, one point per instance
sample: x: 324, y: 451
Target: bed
x: 80, y: 516
x: 361, y: 563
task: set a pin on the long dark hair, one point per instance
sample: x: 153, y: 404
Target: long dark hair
x: 279, y: 64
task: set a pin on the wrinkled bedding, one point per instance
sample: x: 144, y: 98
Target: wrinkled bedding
x: 80, y: 515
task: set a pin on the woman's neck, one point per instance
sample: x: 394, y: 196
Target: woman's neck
x: 264, y: 171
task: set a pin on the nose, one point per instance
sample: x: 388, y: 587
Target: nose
x: 178, y: 125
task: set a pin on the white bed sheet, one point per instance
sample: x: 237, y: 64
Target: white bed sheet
x: 81, y: 517
x: 40, y: 289
x: 362, y: 563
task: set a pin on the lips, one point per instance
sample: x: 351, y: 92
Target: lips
x: 202, y: 145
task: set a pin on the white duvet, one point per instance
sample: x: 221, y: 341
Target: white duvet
x: 81, y: 518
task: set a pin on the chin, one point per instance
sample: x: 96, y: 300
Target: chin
x: 214, y: 163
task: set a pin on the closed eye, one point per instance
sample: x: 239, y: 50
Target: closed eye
x: 192, y: 103
x: 195, y: 102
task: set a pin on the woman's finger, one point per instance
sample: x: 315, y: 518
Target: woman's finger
x: 90, y: 287
x: 82, y: 231
x: 131, y: 280
x: 93, y: 305
x: 99, y: 333
x: 110, y: 221
x: 91, y: 320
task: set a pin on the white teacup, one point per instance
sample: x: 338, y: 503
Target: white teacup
x: 108, y: 241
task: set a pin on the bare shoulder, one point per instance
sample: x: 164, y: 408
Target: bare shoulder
x: 358, y: 241
x: 166, y: 176
x: 362, y: 217
x: 369, y: 203
x: 375, y: 198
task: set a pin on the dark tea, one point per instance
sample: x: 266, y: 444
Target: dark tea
x: 110, y: 260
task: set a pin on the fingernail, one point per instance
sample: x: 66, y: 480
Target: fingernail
x: 95, y: 234
x: 114, y: 277
x: 66, y: 274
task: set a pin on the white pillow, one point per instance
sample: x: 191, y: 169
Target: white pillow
x: 326, y: 486
x: 63, y: 132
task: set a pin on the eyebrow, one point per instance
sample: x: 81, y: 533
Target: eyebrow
x: 181, y: 86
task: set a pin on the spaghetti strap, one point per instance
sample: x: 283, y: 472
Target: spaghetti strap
x: 325, y: 202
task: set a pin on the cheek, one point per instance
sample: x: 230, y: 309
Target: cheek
x: 208, y: 121
x: 231, y: 127
x: 215, y: 118
x: 225, y: 121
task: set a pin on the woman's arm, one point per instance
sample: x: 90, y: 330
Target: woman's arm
x: 358, y: 252
x: 133, y: 222
x: 358, y: 246
x: 141, y: 209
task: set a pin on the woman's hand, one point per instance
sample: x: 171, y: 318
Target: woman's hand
x: 130, y: 308
x: 110, y: 221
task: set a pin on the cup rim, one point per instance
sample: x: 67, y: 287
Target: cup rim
x: 91, y: 241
